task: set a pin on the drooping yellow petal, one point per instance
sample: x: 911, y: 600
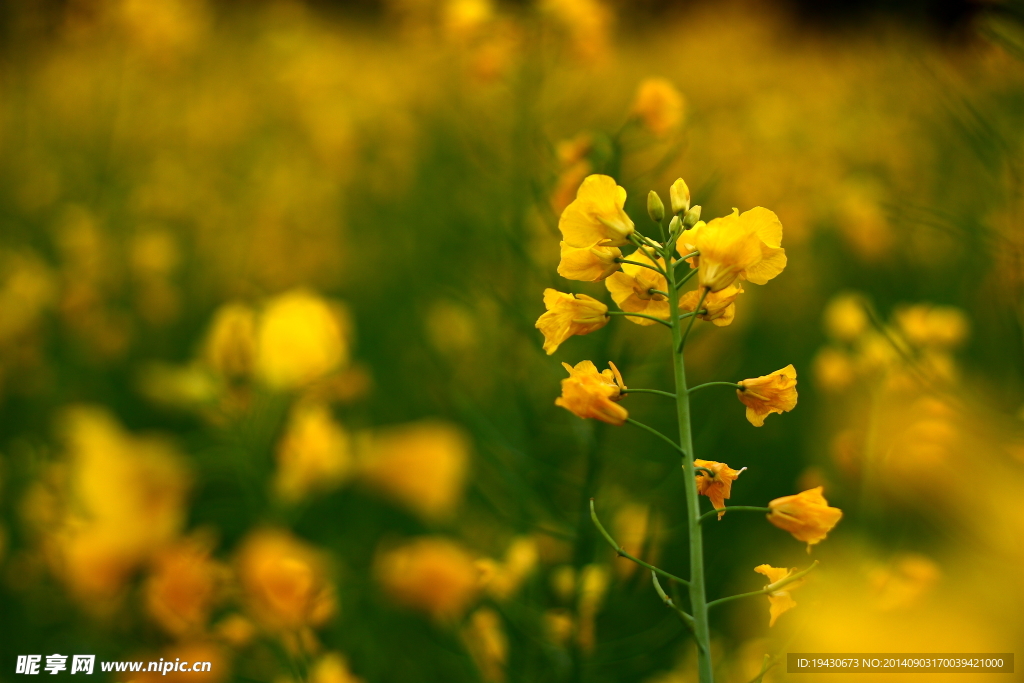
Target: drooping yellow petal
x: 719, y: 307
x: 588, y: 393
x: 774, y: 393
x: 596, y: 216
x: 778, y: 601
x: 568, y: 315
x: 806, y: 515
x: 632, y: 288
x: 717, y: 488
x: 589, y: 264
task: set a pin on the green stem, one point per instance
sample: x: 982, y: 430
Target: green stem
x: 687, y: 619
x: 715, y: 384
x: 686, y: 278
x: 658, y: 434
x: 622, y: 553
x: 698, y: 597
x: 652, y: 290
x: 641, y: 315
x: 648, y: 391
x: 771, y: 588
x: 737, y: 508
x: 642, y: 265
x: 700, y: 304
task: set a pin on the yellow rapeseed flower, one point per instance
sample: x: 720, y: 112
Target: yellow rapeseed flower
x: 430, y: 574
x: 659, y: 105
x: 806, y: 515
x: 596, y: 217
x: 589, y: 393
x: 314, y: 455
x: 774, y: 393
x: 589, y: 264
x: 780, y: 600
x: 631, y: 289
x: 925, y: 325
x: 301, y: 337
x: 284, y: 581
x: 745, y: 246
x: 568, y: 315
x: 717, y: 488
x: 184, y: 585
x: 719, y: 307
x: 420, y: 465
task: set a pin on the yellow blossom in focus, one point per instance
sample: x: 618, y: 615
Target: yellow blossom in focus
x: 846, y: 317
x: 230, y: 345
x: 596, y: 217
x: 588, y: 393
x: 659, y: 105
x: 588, y: 264
x: 745, y: 246
x: 568, y: 315
x: 806, y: 515
x: 314, y: 455
x: 284, y: 581
x: 924, y: 325
x: 183, y: 586
x: 430, y: 574
x: 717, y: 488
x: 421, y: 465
x: 301, y: 337
x: 779, y: 600
x: 631, y: 289
x: 487, y: 644
x: 719, y: 308
x: 332, y: 667
x: 774, y: 393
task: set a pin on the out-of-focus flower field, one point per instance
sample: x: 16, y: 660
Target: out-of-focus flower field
x: 271, y: 394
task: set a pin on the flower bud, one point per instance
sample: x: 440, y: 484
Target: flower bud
x: 655, y: 207
x: 675, y: 225
x: 691, y: 217
x: 679, y: 194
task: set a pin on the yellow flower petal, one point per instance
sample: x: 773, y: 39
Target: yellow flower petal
x: 568, y: 315
x: 806, y: 515
x: 774, y: 393
x: 596, y: 216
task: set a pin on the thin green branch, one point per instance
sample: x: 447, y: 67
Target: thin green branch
x: 686, y: 618
x: 648, y: 391
x: 713, y: 384
x: 686, y: 278
x: 642, y: 265
x: 641, y: 315
x: 700, y: 304
x: 771, y: 588
x: 658, y: 434
x: 622, y: 553
x: 730, y: 508
x: 652, y: 290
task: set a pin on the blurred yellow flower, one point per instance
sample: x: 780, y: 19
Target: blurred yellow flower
x: 301, y: 337
x: 314, y: 455
x: 183, y: 586
x: 659, y: 105
x: 191, y: 651
x: 589, y: 264
x: 332, y: 667
x: 925, y: 325
x: 806, y: 515
x: 568, y: 315
x: 904, y: 581
x: 634, y: 529
x: 124, y: 498
x: 421, y: 465
x: 502, y: 579
x: 596, y: 217
x: 431, y: 574
x: 717, y: 488
x: 588, y: 393
x: 284, y: 581
x: 230, y: 345
x: 719, y: 307
x: 631, y: 289
x: 487, y: 644
x: 846, y: 317
x: 779, y: 600
x: 594, y: 581
x: 774, y: 393
x: 833, y: 369
x: 745, y: 246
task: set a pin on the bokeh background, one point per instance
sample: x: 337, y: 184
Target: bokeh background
x: 271, y: 394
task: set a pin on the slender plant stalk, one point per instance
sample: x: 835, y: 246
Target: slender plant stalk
x: 698, y: 596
